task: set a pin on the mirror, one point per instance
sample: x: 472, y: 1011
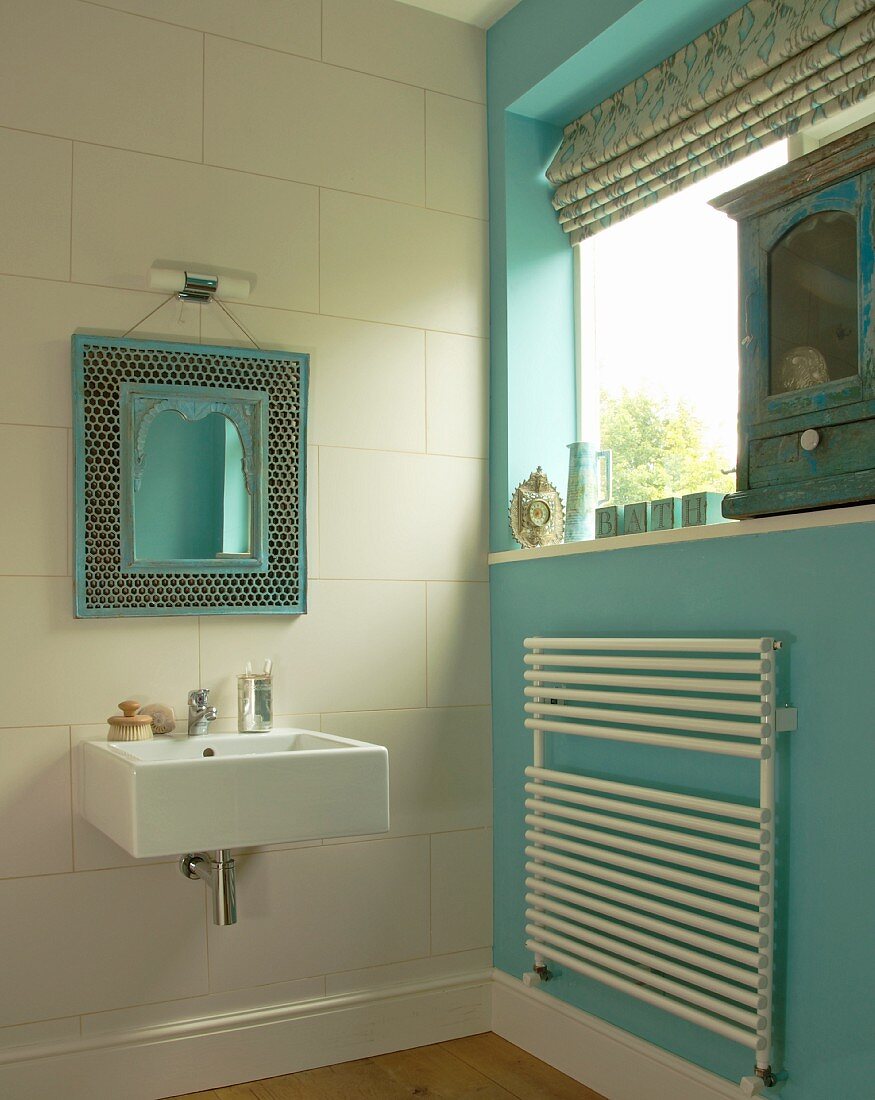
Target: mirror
x: 195, y: 466
x: 190, y: 478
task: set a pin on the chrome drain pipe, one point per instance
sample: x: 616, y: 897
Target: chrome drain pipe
x: 220, y: 875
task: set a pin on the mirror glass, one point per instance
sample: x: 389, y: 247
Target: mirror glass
x: 192, y: 503
x: 813, y: 323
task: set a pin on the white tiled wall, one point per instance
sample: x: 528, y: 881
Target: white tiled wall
x: 335, y: 150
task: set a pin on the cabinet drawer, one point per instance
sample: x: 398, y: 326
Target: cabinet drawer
x: 842, y: 449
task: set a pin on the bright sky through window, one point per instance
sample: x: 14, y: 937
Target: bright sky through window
x: 659, y: 312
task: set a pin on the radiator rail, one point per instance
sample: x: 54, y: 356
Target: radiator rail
x: 664, y: 895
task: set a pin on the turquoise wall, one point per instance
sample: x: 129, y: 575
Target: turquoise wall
x: 816, y: 590
x: 547, y: 60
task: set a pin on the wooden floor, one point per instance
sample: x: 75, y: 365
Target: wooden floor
x: 481, y: 1066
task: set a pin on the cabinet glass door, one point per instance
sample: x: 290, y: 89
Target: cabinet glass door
x: 813, y: 316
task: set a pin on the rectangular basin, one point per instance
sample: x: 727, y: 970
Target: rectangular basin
x: 174, y: 795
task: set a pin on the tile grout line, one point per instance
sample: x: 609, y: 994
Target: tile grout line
x: 71, y: 565
x: 247, y: 172
x: 319, y: 252
x: 425, y: 387
x: 318, y: 512
x: 286, y: 53
x: 72, y: 177
x: 72, y: 813
x: 425, y: 620
x: 430, y: 922
x: 425, y: 146
x: 203, y: 97
x: 339, y: 580
x: 383, y: 451
x: 248, y: 305
x: 285, y: 714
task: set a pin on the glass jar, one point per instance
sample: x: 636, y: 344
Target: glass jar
x: 254, y: 702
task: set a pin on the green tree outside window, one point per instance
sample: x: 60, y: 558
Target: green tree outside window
x: 658, y: 448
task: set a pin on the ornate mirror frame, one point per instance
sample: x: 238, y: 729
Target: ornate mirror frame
x: 119, y: 386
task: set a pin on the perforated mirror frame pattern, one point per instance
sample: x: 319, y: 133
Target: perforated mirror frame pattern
x: 100, y: 365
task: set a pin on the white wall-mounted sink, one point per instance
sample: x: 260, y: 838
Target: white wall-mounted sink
x: 173, y: 795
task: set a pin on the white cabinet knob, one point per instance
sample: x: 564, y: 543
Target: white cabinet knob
x: 809, y: 439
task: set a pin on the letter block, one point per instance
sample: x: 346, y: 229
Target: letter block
x: 608, y: 522
x: 697, y: 509
x: 635, y: 518
x: 665, y: 514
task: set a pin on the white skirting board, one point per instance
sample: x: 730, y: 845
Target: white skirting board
x: 148, y: 1063
x: 607, y: 1059
x: 190, y: 1056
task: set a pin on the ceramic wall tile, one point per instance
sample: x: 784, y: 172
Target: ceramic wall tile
x: 361, y: 644
x: 406, y: 44
x: 298, y: 910
x: 381, y: 261
x: 36, y: 323
x: 312, y: 512
x: 130, y: 210
x: 197, y: 1008
x: 34, y: 204
x: 411, y: 516
x: 35, y: 801
x: 88, y: 942
x: 440, y: 764
x: 367, y: 381
x: 457, y: 384
x: 33, y: 535
x: 87, y: 72
x: 293, y: 26
x: 419, y: 970
x: 461, y: 868
x: 455, y: 151
x: 458, y: 644
x: 56, y: 669
x: 349, y: 130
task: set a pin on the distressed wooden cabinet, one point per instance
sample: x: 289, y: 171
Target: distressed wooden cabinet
x: 806, y: 425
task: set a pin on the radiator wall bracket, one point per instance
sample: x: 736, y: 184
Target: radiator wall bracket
x: 785, y: 720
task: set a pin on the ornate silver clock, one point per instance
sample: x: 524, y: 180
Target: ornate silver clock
x: 537, y: 517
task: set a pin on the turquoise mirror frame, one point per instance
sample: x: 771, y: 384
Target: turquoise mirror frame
x: 247, y: 410
x: 119, y: 387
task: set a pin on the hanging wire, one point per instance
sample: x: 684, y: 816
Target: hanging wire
x: 245, y: 331
x: 163, y: 303
x: 136, y: 324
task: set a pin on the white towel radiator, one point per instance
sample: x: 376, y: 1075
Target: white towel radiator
x: 665, y: 896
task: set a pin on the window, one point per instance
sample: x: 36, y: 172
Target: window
x: 658, y: 330
x: 658, y: 370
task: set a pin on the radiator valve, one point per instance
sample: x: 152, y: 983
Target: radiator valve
x: 763, y: 1078
x: 537, y: 975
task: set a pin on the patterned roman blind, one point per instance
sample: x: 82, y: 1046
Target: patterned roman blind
x: 763, y: 72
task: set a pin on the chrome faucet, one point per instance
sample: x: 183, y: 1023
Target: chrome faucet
x: 200, y: 714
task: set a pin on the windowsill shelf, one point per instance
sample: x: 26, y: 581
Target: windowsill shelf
x: 833, y: 517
